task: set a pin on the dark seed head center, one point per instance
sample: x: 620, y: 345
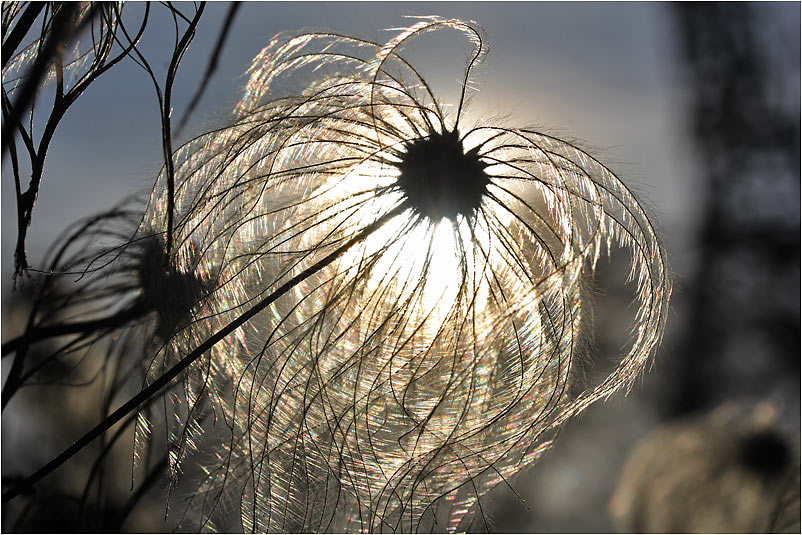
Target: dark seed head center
x: 440, y: 179
x: 765, y: 453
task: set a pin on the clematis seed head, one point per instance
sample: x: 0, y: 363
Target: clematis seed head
x: 393, y: 367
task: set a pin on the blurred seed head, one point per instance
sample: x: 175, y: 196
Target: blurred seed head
x: 729, y: 471
x: 171, y: 295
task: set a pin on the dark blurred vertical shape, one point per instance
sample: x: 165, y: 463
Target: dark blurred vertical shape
x: 743, y: 313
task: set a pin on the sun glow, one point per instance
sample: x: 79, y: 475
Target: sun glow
x: 434, y: 256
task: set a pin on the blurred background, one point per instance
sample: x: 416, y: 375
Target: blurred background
x: 695, y: 106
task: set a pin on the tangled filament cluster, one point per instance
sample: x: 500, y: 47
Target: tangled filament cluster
x: 435, y: 353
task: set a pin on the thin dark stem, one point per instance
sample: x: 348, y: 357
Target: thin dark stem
x: 78, y: 327
x: 211, y: 67
x: 14, y: 380
x: 26, y: 139
x: 167, y: 143
x: 173, y: 372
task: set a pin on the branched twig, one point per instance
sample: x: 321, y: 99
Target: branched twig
x: 37, y: 333
x: 60, y: 30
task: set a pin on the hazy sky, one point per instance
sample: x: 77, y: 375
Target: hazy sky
x: 604, y: 74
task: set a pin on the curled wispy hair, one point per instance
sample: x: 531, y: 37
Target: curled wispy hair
x: 414, y: 292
